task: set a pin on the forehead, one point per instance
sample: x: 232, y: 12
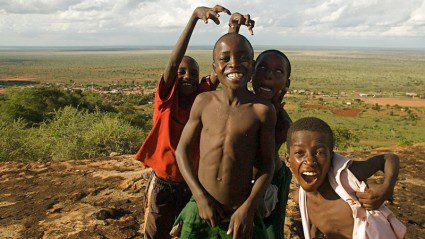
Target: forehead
x: 271, y: 58
x: 234, y: 44
x: 189, y: 63
x: 307, y: 137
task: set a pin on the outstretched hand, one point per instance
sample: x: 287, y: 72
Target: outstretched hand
x: 373, y: 197
x: 206, y: 13
x: 237, y: 19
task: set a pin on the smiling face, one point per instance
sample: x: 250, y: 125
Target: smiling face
x: 233, y: 61
x: 270, y: 75
x: 309, y: 157
x: 188, y: 76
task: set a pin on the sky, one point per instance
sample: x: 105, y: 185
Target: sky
x: 339, y: 23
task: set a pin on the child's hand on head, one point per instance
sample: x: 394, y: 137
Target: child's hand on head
x: 374, y: 196
x: 206, y: 13
x: 237, y: 19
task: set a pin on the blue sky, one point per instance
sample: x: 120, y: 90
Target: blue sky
x: 354, y: 23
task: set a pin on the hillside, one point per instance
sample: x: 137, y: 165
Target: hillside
x: 103, y: 197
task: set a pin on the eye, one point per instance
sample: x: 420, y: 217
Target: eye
x: 298, y: 152
x: 279, y: 71
x: 224, y: 58
x: 244, y: 58
x: 321, y: 153
x: 182, y: 71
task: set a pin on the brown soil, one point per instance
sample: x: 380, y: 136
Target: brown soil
x: 19, y: 79
x: 395, y: 101
x: 345, y: 112
x: 103, y: 198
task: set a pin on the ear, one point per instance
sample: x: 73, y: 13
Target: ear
x: 288, y: 82
x: 213, y: 65
x: 286, y: 159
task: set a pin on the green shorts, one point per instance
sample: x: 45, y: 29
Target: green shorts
x: 193, y: 227
x: 275, y: 222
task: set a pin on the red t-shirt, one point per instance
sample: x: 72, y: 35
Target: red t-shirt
x: 158, y: 150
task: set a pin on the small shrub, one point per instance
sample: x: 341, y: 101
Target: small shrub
x: 344, y: 138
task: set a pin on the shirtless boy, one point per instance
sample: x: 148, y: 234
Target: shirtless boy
x: 231, y: 124
x: 271, y: 80
x: 167, y: 192
x: 331, y: 186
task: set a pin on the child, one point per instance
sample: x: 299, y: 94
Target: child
x: 332, y: 186
x: 167, y: 193
x: 231, y: 125
x: 271, y: 81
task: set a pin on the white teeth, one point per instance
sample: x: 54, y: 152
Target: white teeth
x: 309, y: 173
x: 234, y: 76
x: 266, y: 89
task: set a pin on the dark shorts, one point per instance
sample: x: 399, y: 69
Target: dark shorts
x: 163, y: 202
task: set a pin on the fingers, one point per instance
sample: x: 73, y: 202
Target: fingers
x: 250, y: 23
x: 205, y: 19
x: 218, y: 8
x: 230, y: 230
x: 213, y: 16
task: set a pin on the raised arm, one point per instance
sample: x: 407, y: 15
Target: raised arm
x: 241, y: 222
x: 376, y: 195
x: 180, y: 48
x: 237, y: 19
x: 209, y: 209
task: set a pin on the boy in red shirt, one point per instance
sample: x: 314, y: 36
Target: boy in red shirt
x: 167, y: 193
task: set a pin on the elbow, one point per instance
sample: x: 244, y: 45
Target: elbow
x: 392, y: 157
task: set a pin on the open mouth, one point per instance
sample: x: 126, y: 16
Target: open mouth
x: 186, y: 84
x: 266, y: 89
x: 310, y: 177
x: 234, y: 76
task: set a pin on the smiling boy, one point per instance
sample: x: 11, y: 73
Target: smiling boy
x: 167, y: 193
x: 331, y: 186
x: 231, y: 125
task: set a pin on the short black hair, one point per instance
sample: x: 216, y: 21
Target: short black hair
x: 281, y: 54
x: 233, y: 34
x: 311, y: 124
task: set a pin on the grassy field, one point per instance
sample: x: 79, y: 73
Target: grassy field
x: 389, y: 73
x: 374, y: 71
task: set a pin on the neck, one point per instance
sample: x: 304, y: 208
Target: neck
x: 325, y: 191
x: 234, y: 97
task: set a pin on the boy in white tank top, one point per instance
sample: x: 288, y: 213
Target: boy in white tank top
x: 333, y: 198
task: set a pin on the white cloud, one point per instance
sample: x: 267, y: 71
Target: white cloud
x: 80, y: 22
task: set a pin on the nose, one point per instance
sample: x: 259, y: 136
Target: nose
x: 234, y: 61
x: 269, y: 74
x: 186, y: 75
x: 310, y: 160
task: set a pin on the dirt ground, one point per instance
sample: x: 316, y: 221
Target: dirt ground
x: 104, y: 197
x: 395, y: 101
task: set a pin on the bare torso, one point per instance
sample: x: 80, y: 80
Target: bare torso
x: 229, y: 140
x: 330, y: 214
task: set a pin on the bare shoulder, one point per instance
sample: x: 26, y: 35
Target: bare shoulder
x: 204, y: 98
x: 265, y: 109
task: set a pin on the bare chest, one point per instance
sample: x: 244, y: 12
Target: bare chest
x: 235, y: 122
x: 332, y: 217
